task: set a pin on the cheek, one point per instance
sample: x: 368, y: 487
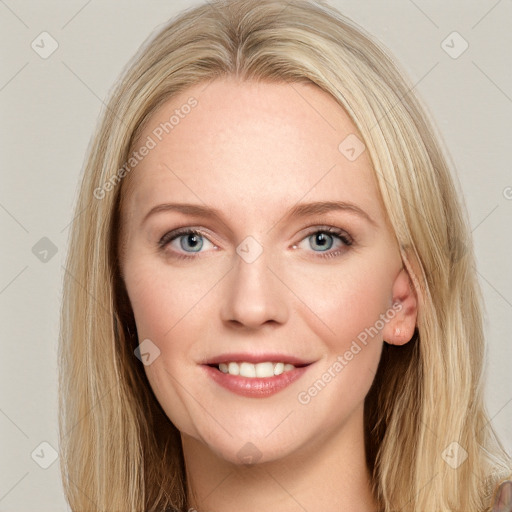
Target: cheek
x: 344, y: 307
x: 162, y: 298
x: 169, y: 307
x: 342, y: 302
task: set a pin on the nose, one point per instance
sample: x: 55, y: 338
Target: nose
x: 254, y: 295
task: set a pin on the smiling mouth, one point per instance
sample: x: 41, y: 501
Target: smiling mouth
x: 258, y: 370
x: 255, y: 380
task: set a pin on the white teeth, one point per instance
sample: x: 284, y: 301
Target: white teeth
x: 264, y: 370
x: 233, y: 369
x: 250, y: 370
x: 247, y: 370
x: 278, y: 368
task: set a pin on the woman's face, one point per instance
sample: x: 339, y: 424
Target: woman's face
x: 292, y: 262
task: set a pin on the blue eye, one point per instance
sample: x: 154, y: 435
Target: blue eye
x: 190, y: 241
x: 323, y: 239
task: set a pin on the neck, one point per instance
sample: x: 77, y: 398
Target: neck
x: 328, y: 473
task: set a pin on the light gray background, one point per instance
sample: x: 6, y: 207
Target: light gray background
x: 49, y: 108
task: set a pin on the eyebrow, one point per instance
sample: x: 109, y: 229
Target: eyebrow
x: 299, y: 210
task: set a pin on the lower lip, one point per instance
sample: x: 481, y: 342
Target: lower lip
x: 255, y: 387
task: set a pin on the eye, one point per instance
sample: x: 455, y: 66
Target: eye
x: 323, y: 239
x: 184, y: 240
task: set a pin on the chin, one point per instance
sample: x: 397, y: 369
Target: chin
x: 248, y: 450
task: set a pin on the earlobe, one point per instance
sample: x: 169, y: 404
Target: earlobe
x: 400, y: 329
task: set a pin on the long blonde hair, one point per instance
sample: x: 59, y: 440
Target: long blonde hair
x: 119, y: 451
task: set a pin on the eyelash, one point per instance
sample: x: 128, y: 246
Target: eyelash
x: 336, y: 232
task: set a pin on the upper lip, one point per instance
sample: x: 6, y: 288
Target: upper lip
x: 257, y: 358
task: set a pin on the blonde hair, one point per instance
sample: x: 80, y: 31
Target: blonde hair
x: 119, y: 451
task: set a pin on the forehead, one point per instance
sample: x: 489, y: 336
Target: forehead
x: 251, y: 147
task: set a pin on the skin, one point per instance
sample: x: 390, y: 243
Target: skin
x: 253, y: 151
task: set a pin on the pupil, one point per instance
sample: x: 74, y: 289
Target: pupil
x: 323, y: 241
x: 321, y: 238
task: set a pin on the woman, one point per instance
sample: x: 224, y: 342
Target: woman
x: 270, y: 297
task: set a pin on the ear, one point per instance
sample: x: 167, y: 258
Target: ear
x: 400, y: 329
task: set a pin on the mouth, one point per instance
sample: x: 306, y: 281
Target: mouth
x: 255, y: 375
